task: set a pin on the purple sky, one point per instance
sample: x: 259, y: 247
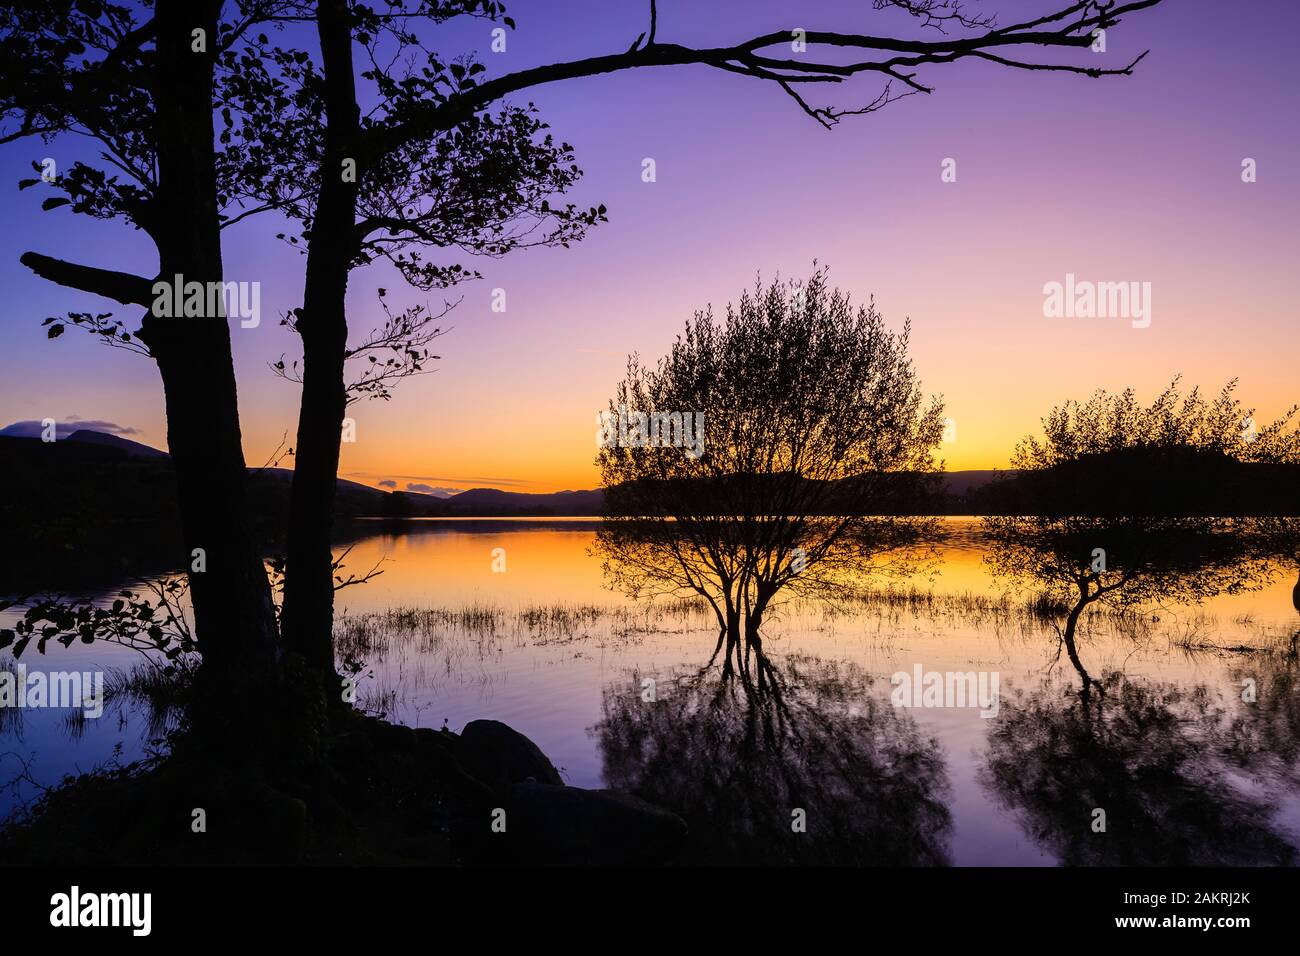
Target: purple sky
x: 1118, y: 179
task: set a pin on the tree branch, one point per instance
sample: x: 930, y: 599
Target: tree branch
x: 120, y: 286
x: 427, y: 119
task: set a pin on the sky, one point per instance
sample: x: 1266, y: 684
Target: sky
x: 1122, y: 179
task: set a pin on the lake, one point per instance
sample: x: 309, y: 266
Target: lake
x: 1190, y: 755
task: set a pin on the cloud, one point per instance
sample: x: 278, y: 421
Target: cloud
x: 423, y: 489
x: 62, y: 429
x: 389, y: 483
x: 460, y: 481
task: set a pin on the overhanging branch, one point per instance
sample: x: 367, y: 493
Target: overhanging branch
x: 1068, y: 28
x: 120, y: 286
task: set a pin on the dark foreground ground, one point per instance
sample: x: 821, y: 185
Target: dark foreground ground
x: 359, y: 792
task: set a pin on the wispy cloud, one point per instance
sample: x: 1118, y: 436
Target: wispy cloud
x: 422, y: 489
x: 62, y: 429
x: 460, y: 482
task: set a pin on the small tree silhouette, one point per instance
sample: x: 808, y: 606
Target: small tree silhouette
x: 815, y: 433
x: 1115, y: 499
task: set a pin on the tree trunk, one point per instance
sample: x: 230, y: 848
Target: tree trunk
x: 308, y: 614
x: 734, y: 646
x: 754, y: 616
x: 1071, y: 624
x: 234, y: 615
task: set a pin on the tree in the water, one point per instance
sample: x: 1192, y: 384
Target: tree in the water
x: 1116, y: 505
x: 1274, y: 451
x: 775, y: 451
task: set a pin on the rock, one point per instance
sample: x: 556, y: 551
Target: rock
x: 441, y: 751
x: 501, y: 756
x: 569, y: 826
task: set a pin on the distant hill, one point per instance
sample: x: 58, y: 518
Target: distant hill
x: 268, y: 487
x: 1165, y: 481
x: 133, y: 449
x: 956, y: 485
x: 93, y: 484
x: 491, y: 502
x: 100, y: 499
x: 351, y: 497
x: 959, y: 484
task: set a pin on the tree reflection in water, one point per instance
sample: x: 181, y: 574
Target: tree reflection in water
x: 1156, y: 758
x: 737, y: 762
x: 1264, y: 736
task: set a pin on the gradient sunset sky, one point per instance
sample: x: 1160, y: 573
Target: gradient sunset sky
x: 1117, y: 179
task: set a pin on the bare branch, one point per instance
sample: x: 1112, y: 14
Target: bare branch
x: 1068, y: 28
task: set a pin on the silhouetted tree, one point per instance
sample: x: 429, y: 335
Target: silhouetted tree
x: 1113, y: 494
x: 801, y: 423
x: 139, y: 82
x: 482, y: 188
x: 1276, y: 449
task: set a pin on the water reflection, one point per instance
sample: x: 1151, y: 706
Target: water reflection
x: 449, y: 639
x: 1155, y: 758
x: 1264, y: 735
x: 739, y: 763
x: 1122, y: 563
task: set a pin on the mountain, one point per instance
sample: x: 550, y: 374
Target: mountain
x: 94, y: 484
x: 133, y: 449
x: 959, y: 484
x: 351, y: 497
x: 108, y: 479
x: 57, y: 496
x: 491, y: 502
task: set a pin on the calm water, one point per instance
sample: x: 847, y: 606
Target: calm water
x: 1183, y: 768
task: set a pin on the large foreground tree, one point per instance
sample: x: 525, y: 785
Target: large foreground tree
x: 139, y: 84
